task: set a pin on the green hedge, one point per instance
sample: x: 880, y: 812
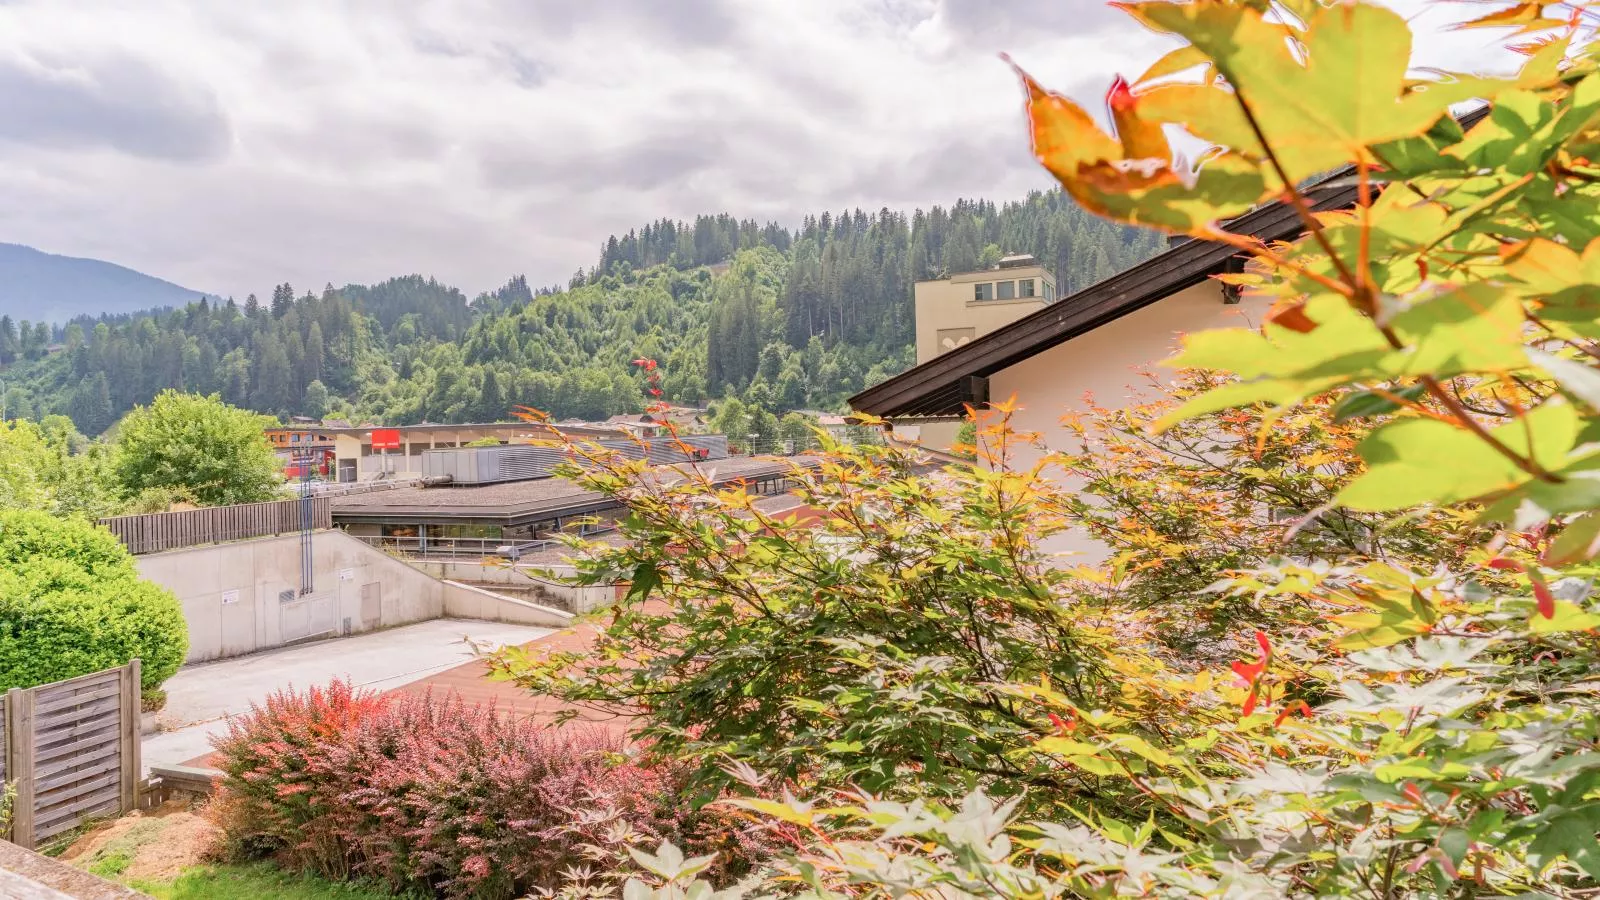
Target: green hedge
x: 71, y: 603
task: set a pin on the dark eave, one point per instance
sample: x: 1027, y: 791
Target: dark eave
x: 939, y: 387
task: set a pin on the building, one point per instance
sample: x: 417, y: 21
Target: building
x: 953, y: 312
x: 303, y: 442
x: 357, y: 459
x: 1092, y: 342
x: 643, y: 425
x: 479, y: 520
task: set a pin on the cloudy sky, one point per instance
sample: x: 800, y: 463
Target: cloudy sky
x: 229, y: 146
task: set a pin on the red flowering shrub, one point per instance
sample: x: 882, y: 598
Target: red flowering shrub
x: 431, y: 793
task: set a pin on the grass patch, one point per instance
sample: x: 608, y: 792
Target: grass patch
x: 111, y: 863
x: 256, y: 881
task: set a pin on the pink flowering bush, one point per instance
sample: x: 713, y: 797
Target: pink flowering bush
x: 429, y: 793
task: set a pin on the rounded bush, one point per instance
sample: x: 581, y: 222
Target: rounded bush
x: 71, y: 603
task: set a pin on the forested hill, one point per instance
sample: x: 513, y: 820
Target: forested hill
x: 782, y: 319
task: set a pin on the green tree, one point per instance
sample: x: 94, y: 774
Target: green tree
x: 315, y: 403
x: 491, y: 405
x: 216, y: 453
x: 72, y: 603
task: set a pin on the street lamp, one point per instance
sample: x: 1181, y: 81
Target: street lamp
x: 753, y: 437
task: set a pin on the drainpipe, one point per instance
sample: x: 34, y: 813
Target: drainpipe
x: 422, y: 538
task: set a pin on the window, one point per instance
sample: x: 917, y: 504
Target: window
x: 983, y: 291
x: 1025, y: 287
x: 294, y: 438
x: 1008, y: 291
x: 1050, y: 293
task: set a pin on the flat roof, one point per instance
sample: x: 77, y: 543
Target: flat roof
x: 512, y: 503
x: 583, y: 430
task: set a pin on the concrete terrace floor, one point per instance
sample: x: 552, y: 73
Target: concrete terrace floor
x: 201, y: 697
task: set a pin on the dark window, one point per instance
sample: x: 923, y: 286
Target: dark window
x: 1025, y: 287
x: 1008, y: 291
x: 983, y: 291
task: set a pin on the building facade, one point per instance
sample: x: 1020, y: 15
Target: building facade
x: 955, y: 311
x: 952, y: 312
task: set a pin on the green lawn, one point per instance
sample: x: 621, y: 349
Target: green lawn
x: 255, y: 882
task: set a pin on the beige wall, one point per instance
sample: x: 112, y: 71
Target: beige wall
x: 357, y: 588
x: 1104, y: 363
x: 948, y: 306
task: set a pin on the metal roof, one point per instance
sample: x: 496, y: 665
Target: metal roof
x: 514, y: 503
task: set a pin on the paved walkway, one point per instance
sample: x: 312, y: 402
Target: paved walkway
x: 471, y: 682
x: 201, y: 697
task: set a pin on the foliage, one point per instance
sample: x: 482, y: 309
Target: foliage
x: 71, y: 603
x: 49, y: 466
x: 1419, y: 717
x: 255, y: 882
x: 859, y: 649
x: 1179, y: 509
x: 434, y: 794
x: 812, y: 315
x: 216, y: 453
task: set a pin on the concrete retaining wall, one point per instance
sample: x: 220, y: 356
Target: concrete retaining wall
x: 243, y: 597
x: 521, y: 578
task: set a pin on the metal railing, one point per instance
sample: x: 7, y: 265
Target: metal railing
x: 346, y: 488
x: 456, y: 548
x: 431, y: 547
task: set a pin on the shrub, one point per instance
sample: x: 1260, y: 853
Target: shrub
x: 423, y: 792
x: 71, y: 603
x: 197, y: 446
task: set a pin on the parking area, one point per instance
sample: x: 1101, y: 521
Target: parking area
x: 201, y: 697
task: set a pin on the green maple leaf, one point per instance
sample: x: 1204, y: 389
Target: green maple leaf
x: 1321, y: 103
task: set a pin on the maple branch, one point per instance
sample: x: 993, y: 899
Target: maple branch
x: 1296, y: 200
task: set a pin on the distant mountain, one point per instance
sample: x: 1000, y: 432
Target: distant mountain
x: 42, y: 286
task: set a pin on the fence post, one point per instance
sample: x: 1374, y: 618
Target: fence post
x: 132, y: 707
x: 19, y: 735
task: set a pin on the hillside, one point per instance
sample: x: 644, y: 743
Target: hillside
x: 781, y: 319
x: 40, y: 286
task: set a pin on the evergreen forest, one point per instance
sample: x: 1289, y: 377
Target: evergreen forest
x: 782, y: 319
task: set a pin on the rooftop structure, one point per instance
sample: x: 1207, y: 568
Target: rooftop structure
x: 527, y: 508
x: 956, y: 310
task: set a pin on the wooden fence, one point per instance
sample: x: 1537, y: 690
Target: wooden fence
x: 71, y: 752
x: 155, y: 532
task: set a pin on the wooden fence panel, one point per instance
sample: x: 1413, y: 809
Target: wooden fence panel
x: 155, y: 532
x: 72, y: 751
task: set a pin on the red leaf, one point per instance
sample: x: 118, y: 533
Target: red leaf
x: 1545, y: 599
x: 1265, y: 645
x: 1299, y: 706
x: 1501, y: 562
x: 1249, y: 672
x: 1412, y: 793
x: 1249, y: 704
x: 1292, y: 317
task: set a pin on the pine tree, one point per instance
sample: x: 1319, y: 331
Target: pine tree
x: 491, y: 406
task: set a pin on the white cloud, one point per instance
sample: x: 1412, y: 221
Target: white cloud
x: 229, y: 146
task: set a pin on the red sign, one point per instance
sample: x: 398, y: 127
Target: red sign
x: 386, y: 439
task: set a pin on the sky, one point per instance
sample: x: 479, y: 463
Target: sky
x: 230, y: 146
